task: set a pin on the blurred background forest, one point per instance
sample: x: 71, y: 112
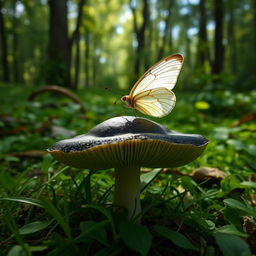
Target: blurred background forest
x: 83, y: 43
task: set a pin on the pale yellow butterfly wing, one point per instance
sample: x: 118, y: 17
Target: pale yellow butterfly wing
x: 156, y: 102
x: 163, y: 74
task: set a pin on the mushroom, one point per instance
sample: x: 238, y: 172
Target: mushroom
x: 127, y: 143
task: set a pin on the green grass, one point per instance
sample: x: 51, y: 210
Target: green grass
x: 49, y: 209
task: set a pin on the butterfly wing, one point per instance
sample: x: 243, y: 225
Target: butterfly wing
x: 162, y: 74
x: 156, y: 102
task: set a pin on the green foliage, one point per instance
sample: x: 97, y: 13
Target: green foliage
x: 34, y: 227
x: 136, y: 237
x: 175, y: 237
x: 232, y: 245
x: 49, y: 209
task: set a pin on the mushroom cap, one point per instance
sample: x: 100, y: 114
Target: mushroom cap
x: 129, y: 141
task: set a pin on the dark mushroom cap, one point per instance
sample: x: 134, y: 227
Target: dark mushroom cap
x: 129, y: 141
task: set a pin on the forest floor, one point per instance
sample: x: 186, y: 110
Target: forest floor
x: 50, y: 209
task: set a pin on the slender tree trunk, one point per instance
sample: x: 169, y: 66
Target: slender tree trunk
x: 188, y: 49
x: 76, y: 34
x: 170, y: 38
x: 140, y: 33
x: 203, y: 45
x: 254, y: 22
x: 144, y: 29
x: 15, y: 45
x: 95, y: 70
x: 87, y: 59
x: 4, y: 46
x: 254, y: 32
x: 77, y: 64
x: 218, y: 40
x: 167, y: 28
x: 231, y: 38
x: 75, y: 38
x: 58, y: 48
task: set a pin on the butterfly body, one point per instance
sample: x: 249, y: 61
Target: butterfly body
x: 130, y: 103
x: 152, y: 93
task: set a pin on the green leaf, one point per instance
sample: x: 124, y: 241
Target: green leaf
x: 248, y: 184
x: 175, y: 237
x: 240, y: 206
x: 34, y: 227
x: 17, y: 250
x: 105, y: 212
x: 221, y: 133
x: 238, y: 145
x: 93, y: 230
x: 200, y: 222
x: 233, y: 216
x: 147, y: 178
x: 231, y: 229
x: 251, y: 149
x: 232, y: 245
x: 26, y: 200
x: 54, y: 212
x: 136, y: 237
x: 38, y: 248
x: 229, y: 183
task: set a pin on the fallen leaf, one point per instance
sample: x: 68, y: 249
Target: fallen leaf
x: 213, y: 175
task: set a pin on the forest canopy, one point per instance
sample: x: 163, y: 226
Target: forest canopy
x: 83, y: 43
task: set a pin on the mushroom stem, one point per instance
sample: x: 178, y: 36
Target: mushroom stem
x: 127, y: 189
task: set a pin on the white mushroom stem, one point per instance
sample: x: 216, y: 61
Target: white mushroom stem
x: 127, y: 189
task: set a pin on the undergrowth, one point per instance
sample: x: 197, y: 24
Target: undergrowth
x: 50, y: 209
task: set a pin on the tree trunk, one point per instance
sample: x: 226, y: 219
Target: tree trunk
x: 254, y: 38
x: 87, y: 59
x: 58, y: 47
x: 4, y: 46
x: 188, y: 49
x: 167, y: 28
x: 140, y: 33
x: 254, y: 22
x: 231, y: 38
x: 218, y: 40
x: 77, y: 64
x: 76, y: 34
x: 144, y: 28
x: 170, y: 38
x: 95, y: 68
x: 254, y: 28
x: 75, y: 38
x: 203, y: 45
x: 15, y: 45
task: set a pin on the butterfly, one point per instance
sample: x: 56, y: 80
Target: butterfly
x: 152, y: 94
